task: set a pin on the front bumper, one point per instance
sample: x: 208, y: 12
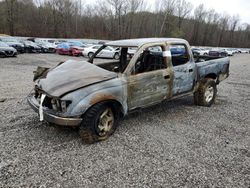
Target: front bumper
x: 10, y: 53
x: 52, y: 118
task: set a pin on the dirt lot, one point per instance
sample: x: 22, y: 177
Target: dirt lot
x: 174, y: 144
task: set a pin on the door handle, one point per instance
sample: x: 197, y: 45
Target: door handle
x: 190, y: 70
x: 166, y: 77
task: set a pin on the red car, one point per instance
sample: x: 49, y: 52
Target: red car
x: 63, y: 49
x: 75, y: 50
x: 67, y: 49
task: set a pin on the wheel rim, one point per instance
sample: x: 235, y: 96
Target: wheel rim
x: 117, y: 56
x: 106, y: 122
x: 209, y: 94
x: 90, y: 55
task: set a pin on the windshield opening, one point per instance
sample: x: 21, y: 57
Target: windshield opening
x: 111, y: 58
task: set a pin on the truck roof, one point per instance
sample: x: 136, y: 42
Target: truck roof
x: 141, y: 41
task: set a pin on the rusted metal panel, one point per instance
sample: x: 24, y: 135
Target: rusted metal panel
x: 83, y: 98
x: 147, y: 88
x: 212, y: 67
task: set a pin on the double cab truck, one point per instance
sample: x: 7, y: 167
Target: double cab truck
x: 95, y: 96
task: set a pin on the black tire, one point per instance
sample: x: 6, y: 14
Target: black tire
x: 116, y: 56
x: 89, y: 128
x: 201, y: 97
x: 2, y: 56
x: 90, y: 54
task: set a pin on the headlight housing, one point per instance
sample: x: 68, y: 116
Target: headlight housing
x: 64, y: 105
x: 60, y: 105
x: 55, y: 104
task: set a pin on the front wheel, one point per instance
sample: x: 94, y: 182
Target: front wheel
x: 99, y: 123
x: 206, y: 93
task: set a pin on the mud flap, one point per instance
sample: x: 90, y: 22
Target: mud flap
x: 41, y: 107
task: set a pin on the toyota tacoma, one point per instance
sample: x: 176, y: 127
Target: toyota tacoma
x: 95, y: 96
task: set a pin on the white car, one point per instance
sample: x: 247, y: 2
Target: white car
x: 200, y: 51
x: 244, y: 51
x: 107, y: 52
x: 230, y: 52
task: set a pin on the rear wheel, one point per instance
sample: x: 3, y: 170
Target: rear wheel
x: 206, y: 93
x: 99, y: 123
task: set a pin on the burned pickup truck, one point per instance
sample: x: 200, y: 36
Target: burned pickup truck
x: 94, y: 97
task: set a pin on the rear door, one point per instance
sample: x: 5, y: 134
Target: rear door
x: 184, y: 69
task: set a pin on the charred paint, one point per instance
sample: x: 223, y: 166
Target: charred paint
x: 100, y: 97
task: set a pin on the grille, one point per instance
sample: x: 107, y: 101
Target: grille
x: 9, y: 52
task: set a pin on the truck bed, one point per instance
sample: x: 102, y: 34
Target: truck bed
x: 216, y: 67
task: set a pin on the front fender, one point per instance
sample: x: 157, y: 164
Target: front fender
x: 84, y: 98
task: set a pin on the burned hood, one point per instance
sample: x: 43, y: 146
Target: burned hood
x: 72, y: 75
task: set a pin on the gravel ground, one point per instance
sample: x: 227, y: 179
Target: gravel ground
x: 174, y: 144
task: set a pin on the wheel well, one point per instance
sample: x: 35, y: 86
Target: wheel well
x: 212, y: 75
x: 115, y: 105
x: 116, y: 53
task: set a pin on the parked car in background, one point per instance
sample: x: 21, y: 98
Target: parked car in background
x: 235, y: 51
x: 63, y: 49
x: 13, y: 43
x: 108, y: 52
x: 7, y: 51
x: 76, y: 48
x: 69, y: 49
x: 31, y: 47
x: 200, y: 51
x: 46, y: 47
x: 218, y: 53
x: 244, y: 51
x: 132, y: 51
x: 229, y: 52
x: 77, y: 43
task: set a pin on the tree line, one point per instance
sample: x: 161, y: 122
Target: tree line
x: 118, y: 19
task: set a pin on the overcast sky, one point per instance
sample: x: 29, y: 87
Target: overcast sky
x: 231, y: 7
